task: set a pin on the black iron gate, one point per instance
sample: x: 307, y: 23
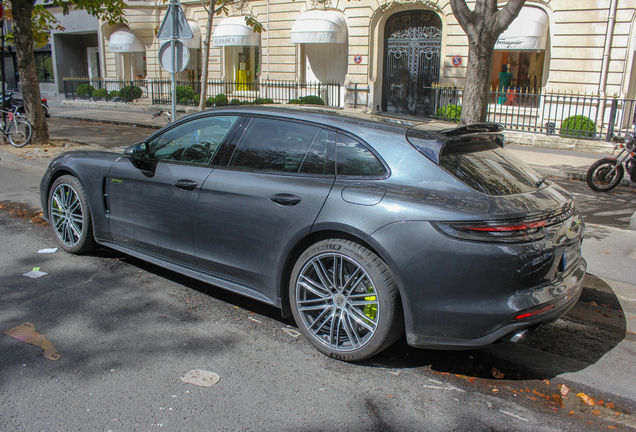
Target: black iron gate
x: 411, y: 62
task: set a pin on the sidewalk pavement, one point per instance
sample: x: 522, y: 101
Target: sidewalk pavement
x: 547, y: 161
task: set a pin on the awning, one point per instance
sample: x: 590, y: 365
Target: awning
x: 233, y: 31
x: 319, y: 26
x: 195, y: 42
x: 125, y: 40
x: 529, y: 31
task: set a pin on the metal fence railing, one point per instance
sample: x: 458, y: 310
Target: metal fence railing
x: 567, y: 115
x: 219, y: 92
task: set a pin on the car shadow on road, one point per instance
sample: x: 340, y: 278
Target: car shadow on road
x: 590, y: 330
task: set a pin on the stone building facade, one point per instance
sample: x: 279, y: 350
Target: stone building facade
x: 390, y: 48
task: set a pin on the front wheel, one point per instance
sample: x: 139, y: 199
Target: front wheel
x: 600, y: 176
x: 69, y: 215
x: 345, y: 301
x: 19, y: 133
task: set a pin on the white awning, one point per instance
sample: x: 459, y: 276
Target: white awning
x: 233, y: 31
x: 529, y: 31
x: 195, y: 42
x: 125, y: 40
x: 319, y: 26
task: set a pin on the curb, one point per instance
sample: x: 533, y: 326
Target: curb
x: 106, y: 121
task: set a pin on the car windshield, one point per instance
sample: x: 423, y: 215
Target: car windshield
x: 488, y: 168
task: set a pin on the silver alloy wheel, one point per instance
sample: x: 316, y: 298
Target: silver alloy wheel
x: 67, y: 215
x: 337, y: 302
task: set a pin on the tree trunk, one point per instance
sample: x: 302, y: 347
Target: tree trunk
x: 29, y: 84
x: 478, y: 77
x: 482, y: 25
x: 206, y: 57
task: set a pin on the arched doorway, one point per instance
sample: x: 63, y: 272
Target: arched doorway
x: 413, y: 41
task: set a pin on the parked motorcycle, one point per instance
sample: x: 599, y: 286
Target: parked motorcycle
x: 605, y: 174
x: 11, y: 100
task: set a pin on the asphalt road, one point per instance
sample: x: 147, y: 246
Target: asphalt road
x: 127, y: 331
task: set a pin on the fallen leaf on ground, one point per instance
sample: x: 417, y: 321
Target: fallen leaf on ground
x: 593, y: 303
x: 610, y: 405
x: 564, y: 390
x: 497, y: 373
x: 596, y: 413
x: 588, y: 400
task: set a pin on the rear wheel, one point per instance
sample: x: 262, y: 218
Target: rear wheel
x: 69, y: 215
x: 600, y: 176
x: 345, y: 301
x: 19, y: 133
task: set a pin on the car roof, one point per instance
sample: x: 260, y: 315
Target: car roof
x: 336, y: 117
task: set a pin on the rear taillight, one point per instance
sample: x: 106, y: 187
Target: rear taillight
x: 535, y: 312
x: 495, y: 231
x: 43, y: 99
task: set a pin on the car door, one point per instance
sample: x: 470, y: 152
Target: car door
x: 152, y: 205
x: 268, y: 195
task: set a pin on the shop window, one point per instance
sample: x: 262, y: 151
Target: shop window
x: 245, y: 64
x: 521, y: 71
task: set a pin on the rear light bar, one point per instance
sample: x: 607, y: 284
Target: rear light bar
x: 535, y: 312
x: 505, y: 231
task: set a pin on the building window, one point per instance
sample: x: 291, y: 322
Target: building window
x: 44, y: 67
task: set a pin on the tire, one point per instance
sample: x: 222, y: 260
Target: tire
x: 598, y: 170
x: 353, y: 315
x: 46, y: 111
x: 19, y: 133
x: 70, y: 216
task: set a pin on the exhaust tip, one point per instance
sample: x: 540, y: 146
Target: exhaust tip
x: 518, y: 336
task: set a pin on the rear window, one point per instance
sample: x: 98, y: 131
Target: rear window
x: 488, y: 168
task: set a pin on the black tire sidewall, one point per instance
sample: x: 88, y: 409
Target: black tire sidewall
x: 86, y: 241
x: 389, y: 310
x: 590, y: 174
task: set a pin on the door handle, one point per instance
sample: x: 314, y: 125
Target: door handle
x: 284, y: 199
x: 185, y: 184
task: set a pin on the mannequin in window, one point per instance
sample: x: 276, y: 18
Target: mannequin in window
x: 504, y: 82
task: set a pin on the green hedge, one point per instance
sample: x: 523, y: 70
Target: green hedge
x: 100, y: 93
x: 130, y: 93
x: 235, y: 102
x: 184, y: 93
x: 294, y: 101
x: 311, y: 100
x: 450, y: 112
x: 578, y: 127
x: 263, y: 101
x: 220, y: 100
x: 85, y: 90
x: 114, y: 93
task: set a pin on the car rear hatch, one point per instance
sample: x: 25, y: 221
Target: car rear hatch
x: 523, y: 207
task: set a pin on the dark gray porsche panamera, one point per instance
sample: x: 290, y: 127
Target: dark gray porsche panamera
x: 361, y: 227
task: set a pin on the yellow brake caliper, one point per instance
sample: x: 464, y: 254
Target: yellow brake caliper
x: 371, y: 310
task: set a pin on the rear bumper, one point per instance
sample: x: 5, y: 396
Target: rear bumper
x: 563, y: 293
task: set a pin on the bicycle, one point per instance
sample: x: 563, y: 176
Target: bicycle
x: 17, y: 129
x: 161, y: 113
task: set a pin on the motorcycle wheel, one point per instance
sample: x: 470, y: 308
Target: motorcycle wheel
x: 596, y: 175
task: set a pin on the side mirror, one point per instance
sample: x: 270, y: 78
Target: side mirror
x: 137, y: 152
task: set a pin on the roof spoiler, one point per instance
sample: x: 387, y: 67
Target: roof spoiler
x: 472, y: 128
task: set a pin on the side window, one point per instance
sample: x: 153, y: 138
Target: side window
x: 354, y: 159
x: 194, y: 142
x: 277, y: 146
x: 320, y: 157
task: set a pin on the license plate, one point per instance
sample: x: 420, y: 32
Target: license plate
x: 571, y: 254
